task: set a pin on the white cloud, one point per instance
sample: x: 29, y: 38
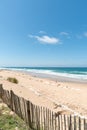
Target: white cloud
x: 64, y: 33
x: 85, y: 34
x: 46, y: 39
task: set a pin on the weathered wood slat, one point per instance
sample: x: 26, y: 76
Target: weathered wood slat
x: 1, y: 89
x: 48, y: 113
x: 85, y: 124
x: 58, y: 122
x: 52, y: 121
x: 63, y: 122
x: 41, y: 118
x: 55, y: 124
x: 72, y: 122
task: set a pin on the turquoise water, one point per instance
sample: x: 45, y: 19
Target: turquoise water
x: 72, y: 72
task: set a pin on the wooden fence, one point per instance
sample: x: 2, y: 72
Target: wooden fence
x: 40, y: 118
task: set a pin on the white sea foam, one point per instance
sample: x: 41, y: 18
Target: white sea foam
x: 82, y: 76
x: 49, y: 72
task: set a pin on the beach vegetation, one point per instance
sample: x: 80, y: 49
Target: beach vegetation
x: 9, y: 120
x: 13, y: 80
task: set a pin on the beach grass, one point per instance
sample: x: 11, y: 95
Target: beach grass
x: 12, y: 80
x: 10, y: 121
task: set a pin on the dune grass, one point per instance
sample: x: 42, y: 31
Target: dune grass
x: 12, y: 80
x: 10, y: 121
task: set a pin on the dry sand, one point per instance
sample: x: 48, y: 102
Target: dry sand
x: 62, y: 97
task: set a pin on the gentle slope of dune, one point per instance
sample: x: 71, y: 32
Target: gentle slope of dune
x: 66, y: 97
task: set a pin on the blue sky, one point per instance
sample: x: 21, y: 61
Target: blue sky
x: 43, y: 33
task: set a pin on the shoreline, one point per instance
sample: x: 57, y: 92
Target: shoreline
x: 54, y: 77
x: 51, y: 76
x: 57, y: 78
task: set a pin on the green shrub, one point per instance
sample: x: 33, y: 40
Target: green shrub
x: 13, y: 80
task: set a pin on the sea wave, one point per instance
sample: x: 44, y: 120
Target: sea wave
x: 72, y: 74
x: 49, y: 72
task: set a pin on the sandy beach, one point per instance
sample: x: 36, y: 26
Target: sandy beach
x: 63, y: 97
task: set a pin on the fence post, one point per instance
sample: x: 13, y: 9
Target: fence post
x: 1, y: 90
x: 28, y: 114
x: 11, y: 100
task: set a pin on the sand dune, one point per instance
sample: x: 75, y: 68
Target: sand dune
x: 63, y: 97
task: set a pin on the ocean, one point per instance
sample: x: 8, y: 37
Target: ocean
x: 68, y: 72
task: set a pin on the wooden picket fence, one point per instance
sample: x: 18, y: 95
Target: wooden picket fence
x: 40, y: 118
